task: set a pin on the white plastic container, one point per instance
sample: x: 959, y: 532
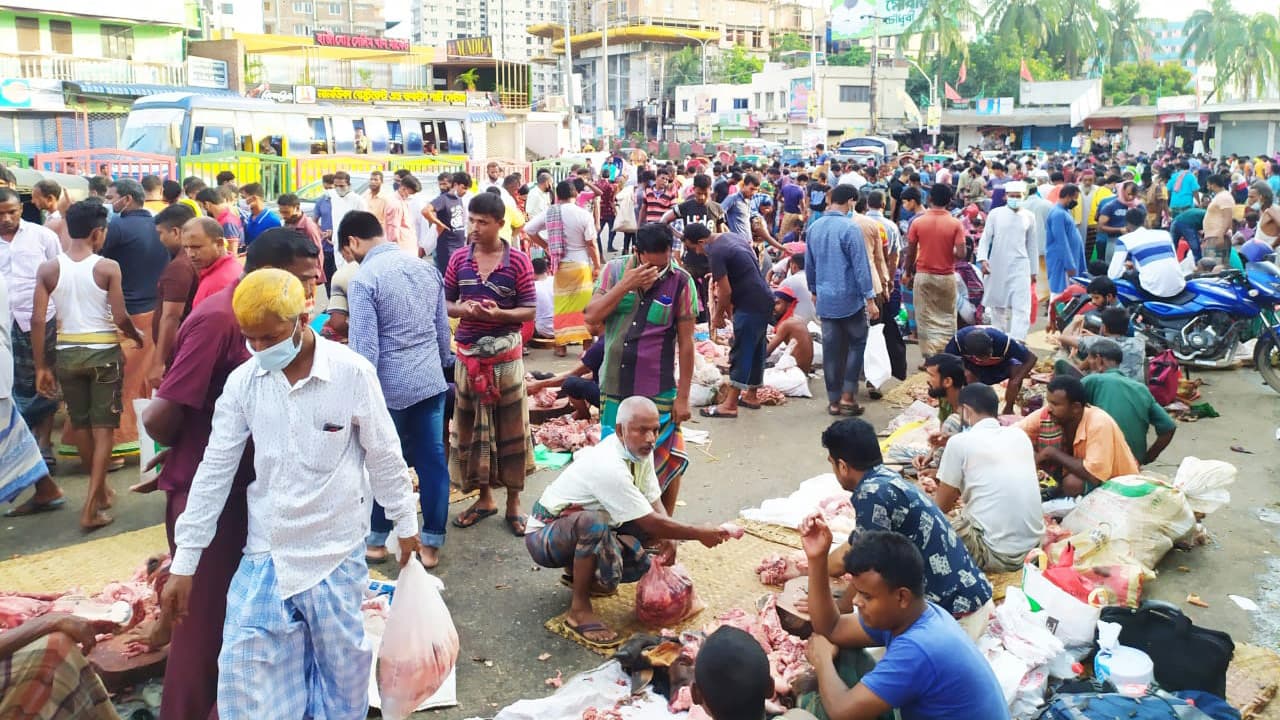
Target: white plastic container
x: 1129, y: 669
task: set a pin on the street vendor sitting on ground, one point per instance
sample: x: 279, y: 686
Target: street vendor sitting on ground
x: 790, y: 329
x: 1129, y: 402
x: 1115, y: 327
x: 600, y: 511
x: 581, y: 384
x: 946, y: 378
x: 930, y: 669
x: 993, y: 470
x: 44, y: 673
x: 1078, y: 446
x: 882, y: 500
x: 992, y: 357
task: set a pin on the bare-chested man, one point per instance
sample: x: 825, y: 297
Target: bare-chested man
x: 788, y: 327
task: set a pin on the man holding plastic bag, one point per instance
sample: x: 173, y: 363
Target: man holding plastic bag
x: 293, y: 642
x: 597, y: 515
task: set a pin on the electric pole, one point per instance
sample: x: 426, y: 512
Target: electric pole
x: 875, y: 67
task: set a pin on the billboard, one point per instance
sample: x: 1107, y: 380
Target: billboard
x: 853, y: 19
x: 993, y: 106
x: 801, y: 89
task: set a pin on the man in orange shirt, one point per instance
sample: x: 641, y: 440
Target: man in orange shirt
x: 934, y: 242
x: 1079, y: 446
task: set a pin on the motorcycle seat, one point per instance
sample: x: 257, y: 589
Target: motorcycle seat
x: 1181, y: 298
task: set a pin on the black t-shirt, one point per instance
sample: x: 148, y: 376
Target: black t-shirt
x: 818, y: 196
x: 720, y: 190
x: 712, y: 216
x: 731, y: 256
x: 450, y: 211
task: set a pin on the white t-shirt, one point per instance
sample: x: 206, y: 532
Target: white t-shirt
x: 852, y: 178
x: 602, y: 478
x: 804, y: 299
x: 544, y: 321
x: 1152, y: 253
x: 994, y: 468
x: 423, y: 230
x: 579, y: 230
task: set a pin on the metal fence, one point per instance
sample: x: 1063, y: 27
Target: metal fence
x: 110, y: 162
x: 274, y: 173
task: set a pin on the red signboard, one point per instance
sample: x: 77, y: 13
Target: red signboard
x: 361, y: 42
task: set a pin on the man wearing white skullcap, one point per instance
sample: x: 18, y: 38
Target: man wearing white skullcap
x: 1007, y: 254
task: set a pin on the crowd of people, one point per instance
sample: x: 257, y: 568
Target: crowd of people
x: 296, y: 365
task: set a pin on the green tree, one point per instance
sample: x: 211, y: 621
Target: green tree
x: 737, y: 66
x: 940, y: 26
x: 684, y: 68
x: 1254, y: 60
x: 1127, y: 37
x: 1211, y: 37
x: 992, y: 71
x: 791, y: 50
x: 1142, y: 82
x: 468, y: 80
x: 1028, y: 22
x: 855, y: 56
x: 1075, y: 34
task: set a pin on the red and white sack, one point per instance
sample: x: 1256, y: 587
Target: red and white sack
x: 420, y: 645
x: 665, y: 596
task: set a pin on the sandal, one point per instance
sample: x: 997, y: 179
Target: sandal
x: 581, y: 631
x: 596, y: 590
x: 749, y: 405
x: 833, y: 410
x: 874, y: 393
x: 850, y: 409
x: 519, y: 524
x: 31, y: 507
x: 713, y: 411
x: 473, y: 515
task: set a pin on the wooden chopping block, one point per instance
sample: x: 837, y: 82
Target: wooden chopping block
x: 118, y: 672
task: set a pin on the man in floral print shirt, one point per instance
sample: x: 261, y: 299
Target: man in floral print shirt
x: 883, y: 500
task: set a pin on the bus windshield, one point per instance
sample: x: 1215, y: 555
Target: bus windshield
x: 152, y: 130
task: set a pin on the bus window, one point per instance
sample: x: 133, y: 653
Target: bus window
x: 412, y: 139
x: 319, y: 136
x: 395, y: 140
x: 376, y: 129
x: 454, y: 137
x: 208, y: 139
x: 344, y: 134
x: 430, y: 138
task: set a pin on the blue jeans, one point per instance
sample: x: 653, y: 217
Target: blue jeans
x: 747, y: 356
x: 843, y: 342
x: 421, y: 430
x: 1180, y: 231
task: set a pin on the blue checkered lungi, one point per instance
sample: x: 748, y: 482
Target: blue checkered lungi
x: 301, y: 657
x: 619, y: 552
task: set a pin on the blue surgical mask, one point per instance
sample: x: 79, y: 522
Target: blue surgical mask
x: 1014, y: 203
x: 626, y: 452
x: 278, y: 356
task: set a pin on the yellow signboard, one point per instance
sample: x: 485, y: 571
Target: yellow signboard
x: 372, y: 95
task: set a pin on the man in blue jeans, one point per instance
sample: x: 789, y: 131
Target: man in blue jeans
x: 741, y: 294
x: 839, y: 276
x: 398, y: 321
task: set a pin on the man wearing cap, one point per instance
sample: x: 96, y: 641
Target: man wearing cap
x: 1007, y: 254
x: 789, y: 327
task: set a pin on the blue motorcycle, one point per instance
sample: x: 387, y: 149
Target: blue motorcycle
x: 1205, y: 323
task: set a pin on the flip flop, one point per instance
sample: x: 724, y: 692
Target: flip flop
x: 521, y: 520
x: 596, y: 591
x: 749, y: 405
x: 874, y: 393
x: 473, y: 515
x: 833, y: 410
x: 714, y: 412
x: 31, y: 507
x: 847, y: 410
x: 582, y: 630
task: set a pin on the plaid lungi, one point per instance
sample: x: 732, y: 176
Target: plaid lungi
x: 669, y: 457
x: 305, y: 656
x: 490, y: 444
x: 51, y: 680
x: 620, y: 558
x: 33, y: 406
x: 21, y: 465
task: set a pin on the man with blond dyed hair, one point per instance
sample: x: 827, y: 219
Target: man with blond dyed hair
x: 293, y: 640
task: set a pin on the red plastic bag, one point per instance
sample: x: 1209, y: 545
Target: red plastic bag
x: 1035, y: 301
x: 665, y: 596
x: 1163, y: 375
x: 419, y: 647
x: 1097, y: 585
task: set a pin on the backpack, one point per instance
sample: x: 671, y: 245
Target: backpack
x: 1109, y: 706
x: 1163, y: 375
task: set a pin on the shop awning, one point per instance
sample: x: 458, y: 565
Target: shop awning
x: 136, y: 89
x: 486, y: 116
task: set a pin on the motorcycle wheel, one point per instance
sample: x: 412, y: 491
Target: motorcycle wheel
x: 1266, y: 358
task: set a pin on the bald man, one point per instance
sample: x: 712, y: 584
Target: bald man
x: 293, y: 642
x: 596, y: 517
x: 205, y: 246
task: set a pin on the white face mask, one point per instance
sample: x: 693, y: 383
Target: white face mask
x: 1014, y: 203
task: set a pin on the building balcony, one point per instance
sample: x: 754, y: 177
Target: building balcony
x: 69, y: 67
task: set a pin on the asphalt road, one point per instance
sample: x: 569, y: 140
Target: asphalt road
x: 500, y: 600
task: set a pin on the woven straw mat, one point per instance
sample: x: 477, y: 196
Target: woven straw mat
x: 1254, y: 675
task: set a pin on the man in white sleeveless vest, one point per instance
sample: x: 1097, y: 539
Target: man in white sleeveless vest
x: 86, y: 289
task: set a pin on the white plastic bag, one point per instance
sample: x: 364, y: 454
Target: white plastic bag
x: 420, y: 647
x: 1070, y: 620
x: 790, y: 381
x: 875, y: 359
x: 1204, y: 482
x: 147, y: 448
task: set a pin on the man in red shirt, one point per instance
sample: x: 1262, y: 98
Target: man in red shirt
x: 175, y: 290
x: 934, y: 242
x: 290, y: 208
x: 202, y: 240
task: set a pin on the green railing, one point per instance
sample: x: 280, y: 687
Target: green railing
x: 15, y: 159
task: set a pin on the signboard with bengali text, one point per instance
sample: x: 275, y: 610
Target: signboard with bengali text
x: 372, y: 95
x: 361, y: 42
x: 856, y: 19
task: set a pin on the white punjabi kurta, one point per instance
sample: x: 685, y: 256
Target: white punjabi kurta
x: 1008, y: 246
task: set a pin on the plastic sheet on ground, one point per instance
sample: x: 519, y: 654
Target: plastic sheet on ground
x: 600, y: 688
x: 791, y: 510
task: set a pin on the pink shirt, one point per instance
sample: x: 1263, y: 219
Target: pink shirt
x: 225, y: 271
x: 395, y: 222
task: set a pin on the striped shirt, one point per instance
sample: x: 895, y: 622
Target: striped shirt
x: 1152, y: 253
x: 510, y: 285
x: 657, y: 204
x: 640, y: 334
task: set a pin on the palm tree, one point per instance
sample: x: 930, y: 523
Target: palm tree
x: 941, y: 25
x: 1075, y: 35
x: 468, y: 80
x: 1028, y: 21
x: 1211, y: 36
x: 1255, y: 56
x: 1127, y: 36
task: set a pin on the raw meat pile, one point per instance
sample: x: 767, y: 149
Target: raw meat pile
x: 544, y: 398
x: 777, y: 569
x: 769, y: 395
x: 836, y: 506
x: 565, y: 434
x: 786, y: 652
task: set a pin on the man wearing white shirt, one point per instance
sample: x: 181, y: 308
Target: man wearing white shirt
x: 293, y: 641
x: 342, y: 201
x: 993, y: 469
x: 852, y: 177
x: 1151, y: 254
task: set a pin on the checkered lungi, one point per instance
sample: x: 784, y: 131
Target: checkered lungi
x: 50, y: 679
x: 301, y: 657
x: 620, y: 557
